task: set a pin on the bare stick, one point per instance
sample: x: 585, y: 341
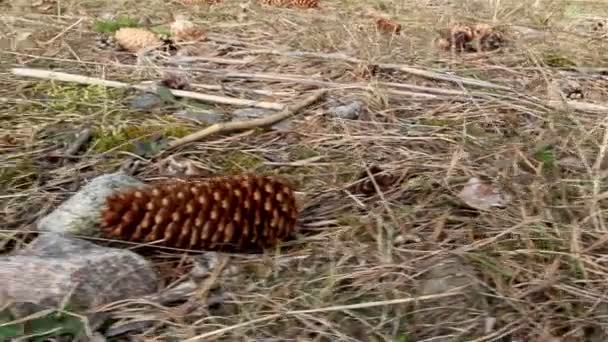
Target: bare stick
x: 224, y: 127
x: 82, y: 138
x: 580, y: 105
x: 410, y: 70
x: 65, y: 77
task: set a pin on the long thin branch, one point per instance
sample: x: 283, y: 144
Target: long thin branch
x: 65, y: 77
x: 224, y: 127
x: 422, y: 91
x: 410, y: 70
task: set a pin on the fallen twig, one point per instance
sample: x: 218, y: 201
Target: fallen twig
x: 65, y: 77
x: 579, y: 105
x: 180, y: 60
x: 224, y: 127
x: 421, y: 91
x: 81, y: 139
x: 410, y: 70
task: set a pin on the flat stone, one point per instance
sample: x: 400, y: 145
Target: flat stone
x: 54, y: 267
x: 80, y: 214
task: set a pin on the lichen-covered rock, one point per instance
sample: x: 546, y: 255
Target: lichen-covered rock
x: 54, y: 266
x: 350, y: 111
x: 80, y: 214
x: 444, y: 275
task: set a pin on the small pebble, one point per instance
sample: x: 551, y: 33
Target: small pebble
x: 204, y: 116
x: 146, y: 101
x: 350, y: 111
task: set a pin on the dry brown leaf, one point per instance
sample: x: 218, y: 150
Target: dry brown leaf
x: 480, y: 195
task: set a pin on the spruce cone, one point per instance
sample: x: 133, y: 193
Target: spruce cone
x: 199, y: 2
x: 232, y: 214
x: 291, y: 3
x: 471, y: 38
x: 388, y: 26
x: 183, y: 30
x: 134, y: 39
x: 305, y: 3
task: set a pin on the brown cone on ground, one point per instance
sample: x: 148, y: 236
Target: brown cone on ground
x: 134, y: 39
x: 291, y: 3
x: 231, y: 213
x: 388, y: 26
x: 199, y: 2
x: 471, y: 38
x: 183, y: 30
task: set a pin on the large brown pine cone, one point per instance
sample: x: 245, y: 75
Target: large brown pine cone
x: 232, y: 213
x: 291, y: 3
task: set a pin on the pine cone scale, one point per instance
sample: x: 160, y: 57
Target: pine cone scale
x: 223, y: 213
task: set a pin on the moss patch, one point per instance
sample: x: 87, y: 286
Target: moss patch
x: 124, y: 138
x: 24, y: 170
x: 111, y: 26
x: 238, y: 162
x: 71, y: 98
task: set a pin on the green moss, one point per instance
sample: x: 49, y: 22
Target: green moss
x: 123, y: 138
x: 111, y: 26
x: 161, y: 31
x: 72, y: 98
x: 546, y: 156
x: 176, y: 130
x: 24, y: 170
x: 299, y: 152
x: 555, y: 59
x: 238, y: 161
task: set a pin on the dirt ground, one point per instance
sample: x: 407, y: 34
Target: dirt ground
x: 419, y: 252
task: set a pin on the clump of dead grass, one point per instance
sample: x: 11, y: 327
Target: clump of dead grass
x: 527, y: 272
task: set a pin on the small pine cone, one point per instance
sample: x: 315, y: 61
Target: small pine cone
x: 134, y: 39
x: 487, y: 38
x: 233, y: 213
x: 365, y: 71
x: 183, y: 30
x: 481, y: 30
x: 291, y: 3
x: 388, y: 26
x: 176, y: 80
x: 105, y: 42
x: 304, y: 3
x: 458, y: 37
x: 274, y: 2
x: 366, y: 186
x: 199, y: 2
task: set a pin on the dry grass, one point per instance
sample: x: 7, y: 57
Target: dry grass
x: 532, y: 271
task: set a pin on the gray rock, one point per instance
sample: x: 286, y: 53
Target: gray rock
x: 55, y: 267
x: 442, y: 275
x: 349, y: 111
x: 283, y: 126
x: 250, y: 113
x: 146, y: 101
x: 80, y: 214
x: 447, y: 275
x: 205, y: 116
x: 253, y: 113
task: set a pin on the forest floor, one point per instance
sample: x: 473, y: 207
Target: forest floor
x: 423, y: 253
